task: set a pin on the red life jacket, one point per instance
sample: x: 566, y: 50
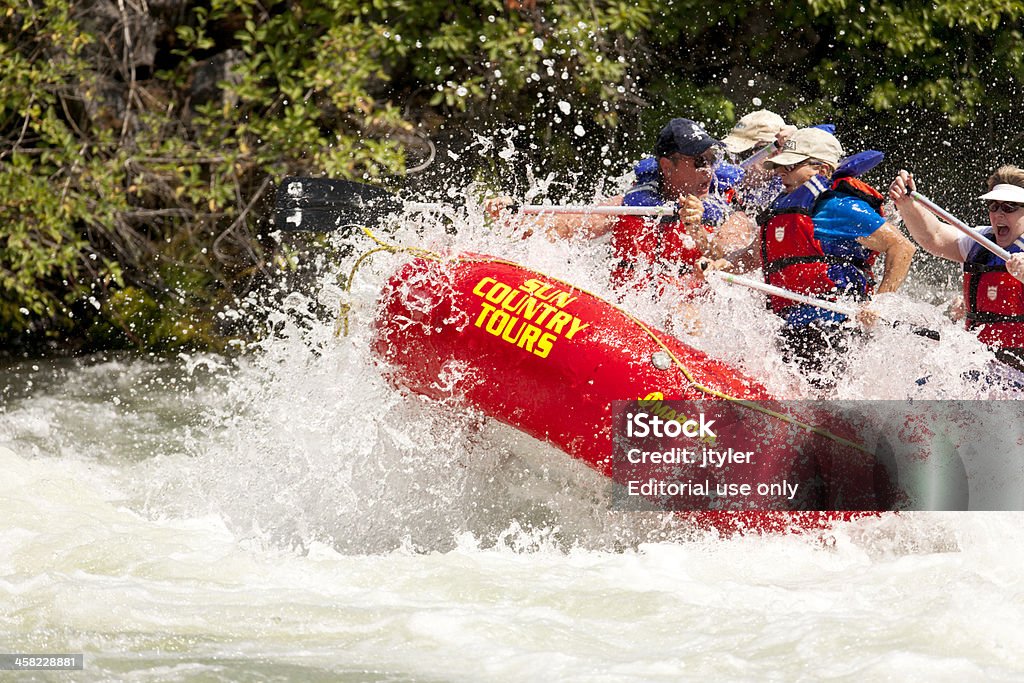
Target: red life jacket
x: 994, y: 300
x: 794, y: 259
x: 650, y: 248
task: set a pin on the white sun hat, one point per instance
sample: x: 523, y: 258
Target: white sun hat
x: 1004, y: 192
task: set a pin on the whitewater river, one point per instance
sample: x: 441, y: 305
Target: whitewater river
x: 288, y: 515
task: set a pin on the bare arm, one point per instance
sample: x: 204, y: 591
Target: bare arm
x: 934, y: 236
x: 898, y: 251
x: 556, y: 225
x: 734, y: 234
x: 741, y: 260
x: 565, y: 225
x: 748, y: 258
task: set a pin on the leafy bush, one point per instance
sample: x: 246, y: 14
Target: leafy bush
x: 140, y: 144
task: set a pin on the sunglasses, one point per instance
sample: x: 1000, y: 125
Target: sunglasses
x: 1005, y: 207
x: 699, y: 161
x: 703, y: 161
x: 789, y: 168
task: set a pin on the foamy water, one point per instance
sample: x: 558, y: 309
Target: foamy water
x: 290, y: 515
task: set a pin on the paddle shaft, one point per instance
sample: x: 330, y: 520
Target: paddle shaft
x: 1002, y: 355
x: 760, y: 155
x: 604, y: 210
x: 786, y: 294
x: 961, y: 226
x: 535, y: 209
x: 848, y: 311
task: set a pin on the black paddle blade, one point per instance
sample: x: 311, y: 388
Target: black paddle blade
x: 325, y: 205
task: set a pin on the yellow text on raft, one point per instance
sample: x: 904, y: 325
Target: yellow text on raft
x: 529, y: 316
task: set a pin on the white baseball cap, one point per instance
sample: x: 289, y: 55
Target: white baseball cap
x: 808, y: 143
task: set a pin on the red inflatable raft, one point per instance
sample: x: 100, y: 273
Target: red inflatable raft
x: 549, y: 359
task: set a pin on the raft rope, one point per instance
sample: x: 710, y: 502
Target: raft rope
x: 434, y: 256
x: 341, y: 329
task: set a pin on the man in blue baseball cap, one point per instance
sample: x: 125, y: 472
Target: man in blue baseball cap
x: 680, y: 172
x: 651, y: 250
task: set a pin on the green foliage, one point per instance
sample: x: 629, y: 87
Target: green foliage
x: 944, y: 55
x: 135, y: 176
x: 48, y: 180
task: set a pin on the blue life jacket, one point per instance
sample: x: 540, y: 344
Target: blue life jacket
x: 647, y: 191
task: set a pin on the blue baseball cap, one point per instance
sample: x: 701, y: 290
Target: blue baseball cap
x: 683, y: 136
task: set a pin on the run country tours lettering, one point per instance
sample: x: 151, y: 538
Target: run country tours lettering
x: 529, y: 316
